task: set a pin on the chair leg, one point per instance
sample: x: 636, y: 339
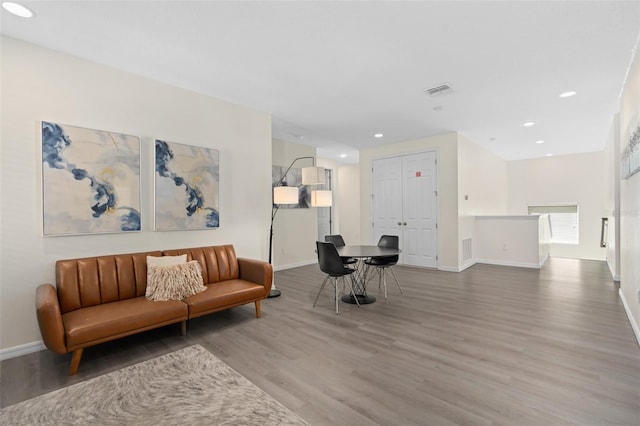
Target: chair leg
x: 258, y: 313
x: 335, y: 285
x: 384, y: 279
x: 395, y: 278
x: 320, y: 291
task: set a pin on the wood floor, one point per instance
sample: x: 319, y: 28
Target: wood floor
x: 488, y: 346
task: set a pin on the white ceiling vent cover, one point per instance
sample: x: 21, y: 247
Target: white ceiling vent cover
x: 440, y: 90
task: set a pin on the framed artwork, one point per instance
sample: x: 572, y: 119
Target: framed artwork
x: 293, y: 178
x: 90, y: 181
x: 186, y: 187
x: 631, y: 153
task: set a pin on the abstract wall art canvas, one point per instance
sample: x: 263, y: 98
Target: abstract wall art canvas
x: 90, y: 181
x: 631, y: 153
x: 293, y: 178
x: 186, y: 187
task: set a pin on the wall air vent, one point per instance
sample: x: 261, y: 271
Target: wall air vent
x: 440, y: 90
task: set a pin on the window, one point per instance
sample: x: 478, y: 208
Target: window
x: 563, y: 221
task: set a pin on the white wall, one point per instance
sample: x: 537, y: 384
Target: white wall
x: 630, y: 201
x: 575, y: 178
x: 348, y: 201
x: 39, y: 84
x: 295, y: 230
x: 446, y: 146
x: 612, y: 197
x: 521, y: 241
x: 482, y: 190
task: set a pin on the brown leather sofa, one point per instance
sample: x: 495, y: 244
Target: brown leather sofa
x: 98, y: 299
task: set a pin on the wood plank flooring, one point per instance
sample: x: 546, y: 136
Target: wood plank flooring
x: 488, y: 346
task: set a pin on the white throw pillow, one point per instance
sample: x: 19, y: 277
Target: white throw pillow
x: 175, y: 282
x: 159, y: 261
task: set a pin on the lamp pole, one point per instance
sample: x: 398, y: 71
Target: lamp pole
x: 275, y: 207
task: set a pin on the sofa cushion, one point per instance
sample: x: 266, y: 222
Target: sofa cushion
x: 223, y: 294
x: 104, y: 322
x: 175, y: 282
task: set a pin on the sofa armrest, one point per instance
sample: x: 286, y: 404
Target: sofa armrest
x: 50, y: 318
x: 256, y: 271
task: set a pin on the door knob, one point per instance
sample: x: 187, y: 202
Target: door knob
x: 399, y: 223
x: 404, y: 223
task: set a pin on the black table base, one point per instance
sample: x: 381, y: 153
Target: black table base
x: 363, y: 299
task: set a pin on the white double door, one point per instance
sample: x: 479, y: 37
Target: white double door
x: 405, y: 203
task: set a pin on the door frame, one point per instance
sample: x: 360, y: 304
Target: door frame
x: 371, y: 183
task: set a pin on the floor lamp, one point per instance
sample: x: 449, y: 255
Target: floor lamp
x: 283, y: 195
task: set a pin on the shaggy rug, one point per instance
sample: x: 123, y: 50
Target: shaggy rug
x: 188, y: 387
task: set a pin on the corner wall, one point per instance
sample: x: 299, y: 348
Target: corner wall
x: 630, y: 201
x: 482, y: 190
x: 40, y: 84
x: 295, y: 230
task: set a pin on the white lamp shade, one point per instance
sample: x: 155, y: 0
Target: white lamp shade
x: 321, y: 198
x: 313, y: 176
x: 285, y: 195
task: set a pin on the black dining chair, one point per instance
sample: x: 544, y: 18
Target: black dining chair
x: 338, y: 241
x: 383, y: 264
x: 331, y: 264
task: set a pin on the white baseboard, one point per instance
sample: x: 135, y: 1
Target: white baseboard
x: 460, y: 268
x: 632, y: 320
x: 508, y: 263
x: 19, y: 350
x: 448, y: 269
x: 294, y: 265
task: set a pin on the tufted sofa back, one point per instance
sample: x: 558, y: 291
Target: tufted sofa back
x: 96, y: 280
x: 93, y: 281
x: 218, y: 263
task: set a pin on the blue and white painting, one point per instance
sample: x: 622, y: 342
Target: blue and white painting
x: 293, y: 178
x: 186, y: 187
x: 90, y: 181
x: 631, y: 153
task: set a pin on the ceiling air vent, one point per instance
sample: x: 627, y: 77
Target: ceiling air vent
x: 442, y: 89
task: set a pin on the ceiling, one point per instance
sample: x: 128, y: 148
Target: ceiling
x: 334, y: 73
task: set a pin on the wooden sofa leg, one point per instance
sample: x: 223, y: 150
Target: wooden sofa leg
x: 75, y: 361
x: 258, y: 309
x: 183, y: 328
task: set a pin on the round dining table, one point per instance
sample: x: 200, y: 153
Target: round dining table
x: 363, y: 252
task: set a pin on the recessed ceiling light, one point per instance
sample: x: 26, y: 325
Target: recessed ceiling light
x: 539, y: 142
x: 17, y: 9
x: 528, y: 123
x: 343, y: 155
x: 567, y: 94
x: 378, y: 135
x: 549, y: 155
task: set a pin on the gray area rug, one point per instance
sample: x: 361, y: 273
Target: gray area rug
x: 187, y: 387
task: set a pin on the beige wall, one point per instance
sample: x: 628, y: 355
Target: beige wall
x: 575, y: 178
x: 446, y: 146
x: 40, y: 84
x: 348, y: 200
x: 482, y: 180
x: 630, y: 200
x: 295, y: 230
